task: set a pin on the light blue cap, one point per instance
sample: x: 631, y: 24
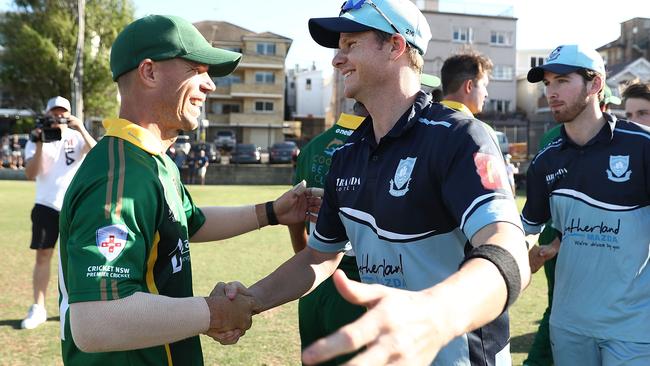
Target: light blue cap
x: 404, y: 14
x: 567, y: 59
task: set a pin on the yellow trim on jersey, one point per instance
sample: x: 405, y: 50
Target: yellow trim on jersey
x: 134, y: 134
x: 151, y: 282
x: 349, y: 121
x: 457, y: 106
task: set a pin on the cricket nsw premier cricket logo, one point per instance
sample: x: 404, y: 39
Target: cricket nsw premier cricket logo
x: 399, y: 185
x: 618, y: 165
x: 111, y: 240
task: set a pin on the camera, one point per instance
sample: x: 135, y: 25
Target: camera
x: 48, y: 133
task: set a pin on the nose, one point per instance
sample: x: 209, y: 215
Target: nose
x: 207, y: 85
x: 338, y: 60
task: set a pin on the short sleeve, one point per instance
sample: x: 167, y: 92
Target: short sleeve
x: 30, y: 150
x: 536, y: 211
x: 475, y: 185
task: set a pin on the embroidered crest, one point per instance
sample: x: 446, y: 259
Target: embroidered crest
x: 111, y: 240
x: 399, y: 185
x: 553, y: 55
x: 618, y: 168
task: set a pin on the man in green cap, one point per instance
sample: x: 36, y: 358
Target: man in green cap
x: 125, y: 276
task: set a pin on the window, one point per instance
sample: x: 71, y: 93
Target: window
x: 502, y: 72
x: 536, y: 61
x: 462, y: 34
x: 263, y: 106
x: 499, y: 105
x: 264, y: 77
x: 227, y: 80
x: 224, y: 108
x: 308, y: 84
x: 266, y: 48
x: 500, y: 38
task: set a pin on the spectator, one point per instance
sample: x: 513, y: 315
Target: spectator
x: 202, y: 162
x: 637, y: 103
x: 53, y: 165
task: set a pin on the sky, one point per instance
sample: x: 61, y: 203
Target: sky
x: 541, y: 24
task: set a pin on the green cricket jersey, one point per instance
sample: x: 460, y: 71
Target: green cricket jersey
x: 125, y: 225
x: 315, y: 158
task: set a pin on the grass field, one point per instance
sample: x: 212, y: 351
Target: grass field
x: 273, y: 340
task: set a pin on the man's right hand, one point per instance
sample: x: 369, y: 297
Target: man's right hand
x: 540, y: 254
x: 229, y: 318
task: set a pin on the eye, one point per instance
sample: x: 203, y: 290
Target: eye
x: 628, y: 115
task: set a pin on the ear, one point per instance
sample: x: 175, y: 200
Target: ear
x: 467, y: 86
x: 597, y: 84
x: 398, y: 45
x: 147, y: 72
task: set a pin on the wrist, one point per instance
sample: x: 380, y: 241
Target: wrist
x: 271, y: 218
x: 260, y: 213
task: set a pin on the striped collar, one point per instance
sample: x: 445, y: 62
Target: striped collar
x: 457, y: 106
x: 134, y: 134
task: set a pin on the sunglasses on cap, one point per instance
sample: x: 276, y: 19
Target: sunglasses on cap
x: 357, y: 4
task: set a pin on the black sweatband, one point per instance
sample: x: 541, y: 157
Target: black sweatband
x: 270, y: 214
x: 505, y: 263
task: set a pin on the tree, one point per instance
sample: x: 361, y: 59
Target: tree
x: 39, y: 39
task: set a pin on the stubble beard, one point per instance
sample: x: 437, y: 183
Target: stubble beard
x: 573, y: 111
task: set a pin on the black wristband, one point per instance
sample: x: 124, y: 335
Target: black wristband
x: 270, y: 214
x: 505, y: 263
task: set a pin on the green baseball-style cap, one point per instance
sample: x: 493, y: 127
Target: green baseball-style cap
x: 163, y: 37
x: 429, y: 80
x: 609, y: 97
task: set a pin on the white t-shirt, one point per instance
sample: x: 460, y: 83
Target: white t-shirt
x: 59, y: 162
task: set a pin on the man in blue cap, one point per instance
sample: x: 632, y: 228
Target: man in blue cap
x: 593, y: 182
x: 420, y: 192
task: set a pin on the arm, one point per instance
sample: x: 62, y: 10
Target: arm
x: 76, y: 124
x: 295, y: 278
x: 34, y: 164
x: 399, y: 325
x: 298, y: 235
x: 144, y: 320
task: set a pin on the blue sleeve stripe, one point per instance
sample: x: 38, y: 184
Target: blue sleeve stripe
x: 341, y: 246
x: 532, y: 229
x: 557, y: 143
x: 478, y: 201
x: 320, y: 237
x: 368, y: 220
x: 633, y: 133
x: 528, y: 222
x: 489, y: 212
x: 591, y: 201
x: 434, y: 123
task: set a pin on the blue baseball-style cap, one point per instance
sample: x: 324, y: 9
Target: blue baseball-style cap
x: 567, y: 59
x: 390, y: 16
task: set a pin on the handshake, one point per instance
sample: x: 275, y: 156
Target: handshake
x: 231, y: 310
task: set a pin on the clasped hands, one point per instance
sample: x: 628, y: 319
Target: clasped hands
x: 230, y: 318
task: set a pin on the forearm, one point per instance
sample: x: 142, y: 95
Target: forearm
x: 138, y: 321
x: 295, y: 278
x: 226, y: 222
x: 90, y: 141
x: 298, y: 236
x: 33, y: 165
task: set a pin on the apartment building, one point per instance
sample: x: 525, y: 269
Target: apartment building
x: 308, y: 95
x: 250, y: 101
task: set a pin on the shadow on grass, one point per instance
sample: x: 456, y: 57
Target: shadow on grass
x: 15, y: 323
x: 521, y: 343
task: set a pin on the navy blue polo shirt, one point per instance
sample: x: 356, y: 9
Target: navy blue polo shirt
x: 598, y: 197
x: 408, y: 204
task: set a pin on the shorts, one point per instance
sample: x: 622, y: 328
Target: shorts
x: 45, y: 227
x: 324, y: 310
x: 202, y: 171
x: 575, y: 349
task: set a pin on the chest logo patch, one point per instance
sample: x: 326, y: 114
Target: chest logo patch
x: 399, y: 185
x: 111, y: 240
x: 618, y: 168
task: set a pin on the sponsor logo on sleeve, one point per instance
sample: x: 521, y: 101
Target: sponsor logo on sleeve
x: 491, y: 170
x: 111, y: 240
x: 618, y: 168
x: 399, y: 185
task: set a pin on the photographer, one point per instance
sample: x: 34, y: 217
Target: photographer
x: 54, y: 153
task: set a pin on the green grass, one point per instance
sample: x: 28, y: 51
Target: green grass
x: 273, y: 339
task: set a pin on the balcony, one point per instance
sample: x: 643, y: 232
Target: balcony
x: 252, y: 90
x: 245, y: 119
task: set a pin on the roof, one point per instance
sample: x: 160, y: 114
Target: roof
x: 214, y: 30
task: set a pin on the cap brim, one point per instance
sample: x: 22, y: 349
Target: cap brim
x: 536, y: 74
x: 430, y: 80
x: 221, y: 62
x: 327, y: 31
x: 612, y: 99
